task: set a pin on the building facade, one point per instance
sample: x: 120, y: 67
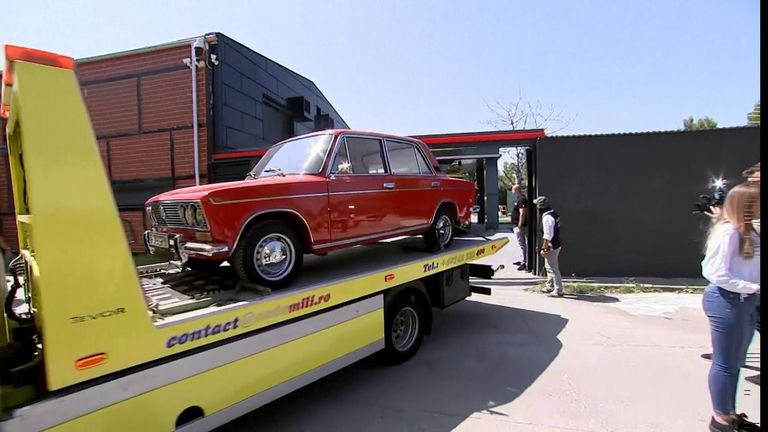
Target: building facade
x: 151, y: 126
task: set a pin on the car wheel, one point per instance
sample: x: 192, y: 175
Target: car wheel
x: 440, y: 233
x: 202, y: 265
x: 404, y: 325
x: 268, y: 254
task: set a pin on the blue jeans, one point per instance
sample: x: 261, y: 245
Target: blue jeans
x: 732, y: 320
x: 522, y: 240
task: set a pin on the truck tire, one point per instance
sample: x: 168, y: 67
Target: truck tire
x: 404, y: 326
x: 268, y: 254
x: 439, y: 236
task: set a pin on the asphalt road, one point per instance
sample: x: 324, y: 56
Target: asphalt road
x: 520, y: 361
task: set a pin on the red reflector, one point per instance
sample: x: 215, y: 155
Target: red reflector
x: 17, y: 53
x: 389, y: 278
x: 91, y: 361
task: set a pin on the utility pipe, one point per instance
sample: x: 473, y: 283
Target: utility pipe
x: 196, y: 144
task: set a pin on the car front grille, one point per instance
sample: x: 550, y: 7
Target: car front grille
x: 168, y: 214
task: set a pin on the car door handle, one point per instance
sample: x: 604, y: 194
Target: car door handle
x: 389, y: 185
x: 436, y: 184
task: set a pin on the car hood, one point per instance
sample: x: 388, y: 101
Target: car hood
x: 242, y: 188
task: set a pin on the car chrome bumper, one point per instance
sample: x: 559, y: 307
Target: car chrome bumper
x: 184, y: 250
x: 205, y: 249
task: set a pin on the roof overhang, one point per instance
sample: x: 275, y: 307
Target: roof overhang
x: 499, y: 137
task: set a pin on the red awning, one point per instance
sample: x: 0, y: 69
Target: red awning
x: 475, y: 137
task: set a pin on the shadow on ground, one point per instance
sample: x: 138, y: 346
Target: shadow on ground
x: 592, y: 298
x: 480, y: 356
x: 505, y: 283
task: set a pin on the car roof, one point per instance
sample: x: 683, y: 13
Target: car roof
x: 360, y: 132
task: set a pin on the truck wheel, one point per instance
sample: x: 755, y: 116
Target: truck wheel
x: 268, y: 254
x: 439, y: 236
x: 404, y: 326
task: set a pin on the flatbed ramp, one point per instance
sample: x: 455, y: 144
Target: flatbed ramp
x: 178, y: 295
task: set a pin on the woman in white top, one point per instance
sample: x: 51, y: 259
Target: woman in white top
x: 732, y: 266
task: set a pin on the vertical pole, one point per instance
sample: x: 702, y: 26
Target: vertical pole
x: 196, y: 144
x: 480, y: 176
x: 533, y: 221
x: 492, y: 193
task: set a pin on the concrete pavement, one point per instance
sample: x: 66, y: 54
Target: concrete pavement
x: 521, y: 361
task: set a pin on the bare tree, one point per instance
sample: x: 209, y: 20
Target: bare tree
x: 523, y: 114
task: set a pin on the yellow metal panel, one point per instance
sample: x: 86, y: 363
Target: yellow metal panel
x: 227, y: 385
x: 70, y: 224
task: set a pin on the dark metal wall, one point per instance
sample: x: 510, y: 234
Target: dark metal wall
x: 625, y: 200
x: 257, y: 102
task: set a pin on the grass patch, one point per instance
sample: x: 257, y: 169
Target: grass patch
x: 581, y: 288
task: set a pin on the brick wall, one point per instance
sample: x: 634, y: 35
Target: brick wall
x: 141, y: 109
x: 140, y: 106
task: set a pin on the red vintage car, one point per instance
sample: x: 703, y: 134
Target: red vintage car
x: 312, y: 194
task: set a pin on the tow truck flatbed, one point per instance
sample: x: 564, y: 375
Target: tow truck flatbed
x: 101, y: 345
x: 400, y: 261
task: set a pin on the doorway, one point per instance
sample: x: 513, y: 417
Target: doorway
x: 516, y: 167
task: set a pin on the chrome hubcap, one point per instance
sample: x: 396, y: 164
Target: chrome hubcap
x: 274, y: 257
x: 405, y: 327
x: 444, y: 229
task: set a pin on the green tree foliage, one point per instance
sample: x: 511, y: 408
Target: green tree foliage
x: 702, y: 123
x: 753, y: 118
x: 514, y: 171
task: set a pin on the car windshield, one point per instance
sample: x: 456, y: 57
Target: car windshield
x: 299, y: 156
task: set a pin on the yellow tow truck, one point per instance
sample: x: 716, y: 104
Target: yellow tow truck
x: 89, y: 341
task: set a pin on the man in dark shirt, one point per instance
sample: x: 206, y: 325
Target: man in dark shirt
x: 519, y: 216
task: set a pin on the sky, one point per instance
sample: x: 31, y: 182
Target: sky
x: 420, y: 67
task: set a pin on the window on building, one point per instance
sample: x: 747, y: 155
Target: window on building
x: 278, y: 124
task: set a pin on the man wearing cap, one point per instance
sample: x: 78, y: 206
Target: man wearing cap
x: 550, y: 248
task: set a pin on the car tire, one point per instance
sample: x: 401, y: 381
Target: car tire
x: 404, y: 327
x: 252, y: 262
x: 439, y: 236
x: 202, y: 265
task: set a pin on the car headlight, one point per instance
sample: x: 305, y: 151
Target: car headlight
x: 183, y: 213
x: 189, y: 217
x: 149, y: 218
x: 192, y: 215
x: 199, y: 217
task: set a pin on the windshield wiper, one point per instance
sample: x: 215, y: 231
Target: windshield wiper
x: 251, y: 175
x: 275, y: 170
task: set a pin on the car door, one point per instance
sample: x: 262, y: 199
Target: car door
x: 417, y: 189
x: 359, y: 190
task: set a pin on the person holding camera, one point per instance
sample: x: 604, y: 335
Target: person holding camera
x: 732, y: 266
x: 551, y: 245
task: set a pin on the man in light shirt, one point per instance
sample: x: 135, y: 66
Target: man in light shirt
x: 550, y: 248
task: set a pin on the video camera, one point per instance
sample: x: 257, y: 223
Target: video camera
x: 715, y: 199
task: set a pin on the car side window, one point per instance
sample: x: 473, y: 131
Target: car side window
x: 423, y: 165
x: 405, y: 158
x: 341, y: 164
x: 365, y: 155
